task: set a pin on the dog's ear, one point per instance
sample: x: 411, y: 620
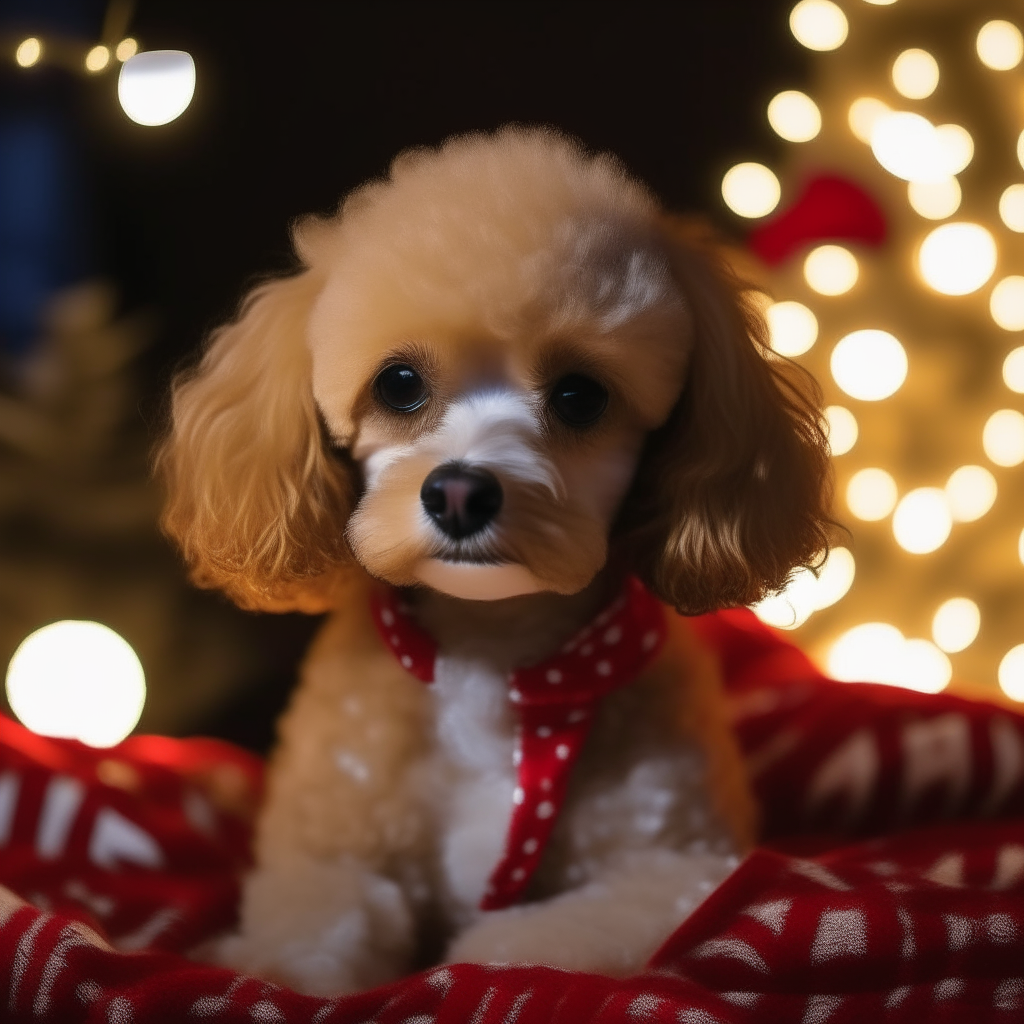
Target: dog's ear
x: 735, y: 490
x: 255, y: 500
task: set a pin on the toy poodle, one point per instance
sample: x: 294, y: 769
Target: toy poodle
x: 505, y: 424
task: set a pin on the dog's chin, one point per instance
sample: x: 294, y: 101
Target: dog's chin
x: 478, y: 581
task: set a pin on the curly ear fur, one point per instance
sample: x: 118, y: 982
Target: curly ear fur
x: 735, y: 490
x: 256, y: 504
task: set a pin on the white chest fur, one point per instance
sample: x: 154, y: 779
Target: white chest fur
x: 476, y: 736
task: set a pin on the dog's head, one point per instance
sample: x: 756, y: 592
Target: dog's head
x: 495, y: 364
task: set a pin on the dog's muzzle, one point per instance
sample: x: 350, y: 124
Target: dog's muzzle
x: 461, y: 499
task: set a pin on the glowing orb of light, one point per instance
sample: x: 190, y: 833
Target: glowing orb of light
x: 79, y: 680
x: 915, y: 73
x: 97, y: 59
x: 794, y: 116
x: 1011, y: 208
x: 792, y: 326
x: 1011, y: 673
x: 956, y: 624
x: 1000, y: 45
x: 935, y: 200
x: 126, y: 49
x: 971, y: 492
x: 869, y: 365
x: 922, y: 520
x: 841, y: 427
x: 751, y: 190
x: 911, y: 147
x: 818, y: 24
x: 880, y: 3
x: 864, y: 114
x: 957, y: 144
x: 871, y: 494
x: 1020, y: 546
x: 908, y: 146
x: 957, y: 259
x: 1007, y: 303
x: 876, y: 652
x: 28, y: 52
x: 1003, y: 437
x: 806, y: 593
x: 1013, y: 370
x: 157, y: 86
x: 831, y: 269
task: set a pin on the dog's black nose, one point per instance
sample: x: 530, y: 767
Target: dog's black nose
x: 462, y: 500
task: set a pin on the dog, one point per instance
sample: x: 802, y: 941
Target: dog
x: 506, y: 412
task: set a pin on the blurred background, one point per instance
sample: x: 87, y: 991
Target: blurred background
x: 862, y: 158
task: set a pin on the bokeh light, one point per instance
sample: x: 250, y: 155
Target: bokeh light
x: 876, y: 652
x: 915, y: 74
x: 922, y: 520
x: 957, y: 145
x: 1000, y: 45
x: 818, y: 24
x: 841, y: 427
x: 864, y: 115
x: 935, y: 200
x: 792, y: 328
x: 751, y: 190
x: 1003, y: 437
x: 97, y: 59
x: 28, y: 52
x: 1011, y: 208
x: 79, y: 680
x: 156, y: 87
x: 794, y: 116
x: 1013, y: 370
x: 1006, y: 303
x: 126, y: 49
x: 971, y: 492
x: 1011, y: 673
x: 870, y: 365
x: 908, y: 146
x: 831, y: 269
x: 957, y: 259
x: 956, y: 624
x: 871, y: 494
x: 806, y: 593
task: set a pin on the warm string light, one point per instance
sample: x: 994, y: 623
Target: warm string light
x: 831, y: 270
x: 78, y: 680
x: 869, y: 365
x: 915, y: 74
x: 751, y: 190
x: 1000, y: 45
x: 871, y: 494
x: 957, y: 259
x: 1006, y: 304
x: 28, y: 52
x: 841, y: 427
x: 1011, y: 208
x: 794, y: 116
x: 935, y: 200
x: 792, y: 328
x: 818, y: 24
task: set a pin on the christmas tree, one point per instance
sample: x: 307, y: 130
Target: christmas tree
x: 889, y: 240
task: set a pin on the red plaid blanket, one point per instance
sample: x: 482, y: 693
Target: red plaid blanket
x: 115, y: 861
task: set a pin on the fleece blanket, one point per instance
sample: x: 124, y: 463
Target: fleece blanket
x: 891, y: 883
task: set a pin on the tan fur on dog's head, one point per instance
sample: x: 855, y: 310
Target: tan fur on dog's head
x: 494, y: 266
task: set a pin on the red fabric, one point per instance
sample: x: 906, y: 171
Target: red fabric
x: 926, y: 923
x: 555, y: 700
x: 830, y: 208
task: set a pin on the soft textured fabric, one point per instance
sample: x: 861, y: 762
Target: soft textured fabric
x: 129, y: 855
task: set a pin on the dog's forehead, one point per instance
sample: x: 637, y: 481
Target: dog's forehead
x: 486, y: 249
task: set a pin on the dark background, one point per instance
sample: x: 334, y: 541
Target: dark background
x: 297, y: 102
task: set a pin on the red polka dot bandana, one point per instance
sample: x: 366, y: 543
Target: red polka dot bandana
x: 555, y: 701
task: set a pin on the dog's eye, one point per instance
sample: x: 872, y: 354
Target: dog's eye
x: 578, y: 400
x: 401, y: 387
